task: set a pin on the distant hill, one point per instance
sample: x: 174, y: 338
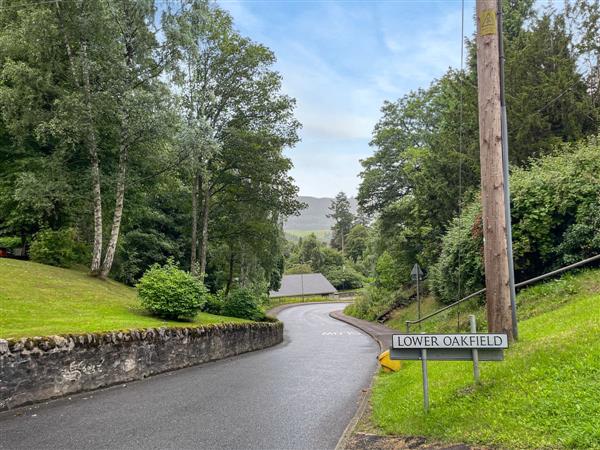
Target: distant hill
x: 314, y: 217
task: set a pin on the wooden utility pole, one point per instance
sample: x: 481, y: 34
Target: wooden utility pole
x: 492, y: 179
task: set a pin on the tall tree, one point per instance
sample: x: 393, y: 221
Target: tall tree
x: 341, y: 213
x: 227, y: 84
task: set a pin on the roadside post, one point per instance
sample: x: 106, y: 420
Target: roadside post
x: 425, y: 379
x: 417, y: 274
x: 449, y: 347
x: 475, y: 351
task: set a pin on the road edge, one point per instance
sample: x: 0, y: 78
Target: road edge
x: 363, y: 403
x: 365, y: 395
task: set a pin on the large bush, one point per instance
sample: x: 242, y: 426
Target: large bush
x: 58, y: 248
x: 171, y: 293
x: 243, y: 303
x: 555, y: 217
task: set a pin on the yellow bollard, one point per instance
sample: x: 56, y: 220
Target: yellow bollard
x: 389, y: 365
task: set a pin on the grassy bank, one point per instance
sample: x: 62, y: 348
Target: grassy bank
x: 39, y: 300
x: 546, y: 394
x: 531, y: 302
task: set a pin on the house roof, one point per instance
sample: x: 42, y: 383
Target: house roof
x: 305, y: 284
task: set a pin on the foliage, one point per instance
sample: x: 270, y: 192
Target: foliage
x: 10, y: 241
x: 425, y: 160
x: 41, y: 300
x: 295, y: 269
x: 214, y: 304
x: 555, y: 222
x: 111, y: 125
x: 57, y: 248
x: 344, y: 278
x: 170, y: 293
x: 459, y: 270
x: 236, y: 124
x: 343, y: 220
x: 244, y: 303
x: 386, y: 272
x: 548, y: 396
x: 357, y: 241
x: 371, y: 302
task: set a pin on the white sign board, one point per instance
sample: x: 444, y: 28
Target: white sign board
x: 457, y: 341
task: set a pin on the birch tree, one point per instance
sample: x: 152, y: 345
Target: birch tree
x: 225, y: 82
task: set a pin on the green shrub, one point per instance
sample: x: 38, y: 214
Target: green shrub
x: 555, y: 217
x: 213, y: 305
x: 345, y: 278
x: 171, y: 293
x: 58, y: 248
x: 243, y: 303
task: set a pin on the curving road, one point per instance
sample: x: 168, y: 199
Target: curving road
x: 298, y: 395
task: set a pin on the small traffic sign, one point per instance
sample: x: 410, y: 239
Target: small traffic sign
x: 416, y: 273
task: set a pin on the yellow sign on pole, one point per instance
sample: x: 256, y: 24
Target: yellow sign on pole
x: 487, y: 22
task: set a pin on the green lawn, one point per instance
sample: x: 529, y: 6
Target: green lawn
x: 273, y: 302
x: 40, y: 300
x: 546, y: 394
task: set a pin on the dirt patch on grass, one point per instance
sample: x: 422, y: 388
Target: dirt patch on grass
x: 368, y: 441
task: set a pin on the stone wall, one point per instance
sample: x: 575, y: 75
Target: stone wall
x: 36, y: 369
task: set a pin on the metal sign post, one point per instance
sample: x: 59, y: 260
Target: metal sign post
x: 425, y: 379
x: 474, y: 351
x: 417, y: 274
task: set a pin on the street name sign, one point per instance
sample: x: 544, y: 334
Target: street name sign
x: 471, y: 340
x: 449, y: 347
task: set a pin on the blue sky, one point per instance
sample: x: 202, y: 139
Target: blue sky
x: 341, y: 60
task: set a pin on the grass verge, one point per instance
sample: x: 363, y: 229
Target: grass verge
x: 546, y: 394
x: 273, y: 302
x: 40, y: 300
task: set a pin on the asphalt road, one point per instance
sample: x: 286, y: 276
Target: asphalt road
x: 300, y: 394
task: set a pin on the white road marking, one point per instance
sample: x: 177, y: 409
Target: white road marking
x: 341, y: 333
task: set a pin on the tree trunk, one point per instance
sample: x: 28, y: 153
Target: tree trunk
x: 230, y: 276
x: 123, y: 162
x: 193, y: 253
x: 204, y: 246
x: 118, y: 214
x: 95, y: 166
